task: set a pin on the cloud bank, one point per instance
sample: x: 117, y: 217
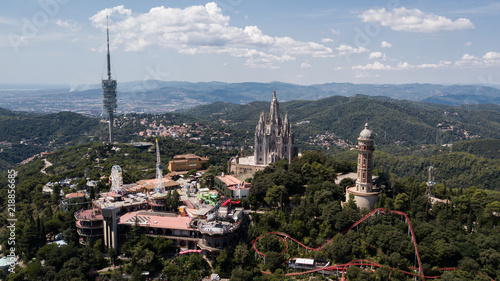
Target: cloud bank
x: 202, y: 30
x: 414, y: 20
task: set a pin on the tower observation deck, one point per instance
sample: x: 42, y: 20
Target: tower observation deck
x: 109, y: 93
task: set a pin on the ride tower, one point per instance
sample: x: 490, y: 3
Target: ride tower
x: 430, y: 181
x: 109, y: 92
x: 159, y: 171
x: 117, y: 180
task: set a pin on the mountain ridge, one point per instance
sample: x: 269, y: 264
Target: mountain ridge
x: 153, y: 96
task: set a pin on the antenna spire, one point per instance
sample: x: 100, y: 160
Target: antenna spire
x: 109, y: 57
x: 109, y: 91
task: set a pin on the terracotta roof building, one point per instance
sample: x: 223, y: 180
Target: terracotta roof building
x: 232, y: 187
x: 187, y: 162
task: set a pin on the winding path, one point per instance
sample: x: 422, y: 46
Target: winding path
x: 47, y: 164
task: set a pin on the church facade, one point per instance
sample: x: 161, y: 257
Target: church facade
x: 274, y: 140
x: 273, y: 137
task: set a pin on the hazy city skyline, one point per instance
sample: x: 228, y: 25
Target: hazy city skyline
x: 63, y: 41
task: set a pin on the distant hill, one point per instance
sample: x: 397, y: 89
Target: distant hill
x: 23, y: 135
x: 399, y: 122
x: 163, y: 96
x: 392, y: 120
x: 484, y: 148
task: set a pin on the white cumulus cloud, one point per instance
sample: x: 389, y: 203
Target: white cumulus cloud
x: 400, y: 66
x: 72, y: 25
x: 385, y: 44
x: 373, y: 66
x: 376, y: 55
x: 489, y: 59
x: 326, y: 40
x: 346, y: 49
x: 202, y: 29
x: 305, y: 65
x: 334, y: 31
x: 414, y: 20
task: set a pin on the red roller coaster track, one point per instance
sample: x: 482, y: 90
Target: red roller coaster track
x: 343, y: 267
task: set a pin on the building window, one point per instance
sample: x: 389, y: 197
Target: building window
x: 260, y: 147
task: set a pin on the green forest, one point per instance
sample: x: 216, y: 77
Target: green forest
x: 300, y: 199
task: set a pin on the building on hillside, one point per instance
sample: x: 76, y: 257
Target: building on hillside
x: 274, y: 140
x: 75, y: 197
x: 188, y: 162
x: 232, y: 187
x: 365, y: 194
x: 221, y: 228
x: 149, y: 185
x: 89, y: 225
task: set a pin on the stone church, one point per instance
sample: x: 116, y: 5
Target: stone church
x: 273, y: 141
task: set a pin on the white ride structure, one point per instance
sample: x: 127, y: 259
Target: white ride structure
x: 159, y: 171
x: 117, y: 180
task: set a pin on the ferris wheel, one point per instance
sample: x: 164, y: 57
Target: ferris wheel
x: 116, y: 179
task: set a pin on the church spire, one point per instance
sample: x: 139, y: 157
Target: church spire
x: 274, y: 111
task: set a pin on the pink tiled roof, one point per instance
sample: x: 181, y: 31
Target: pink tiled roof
x: 75, y: 195
x: 90, y: 214
x: 232, y: 182
x: 181, y: 223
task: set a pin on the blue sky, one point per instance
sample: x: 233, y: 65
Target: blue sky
x: 301, y: 42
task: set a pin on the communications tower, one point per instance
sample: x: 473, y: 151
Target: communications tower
x: 109, y: 92
x: 159, y: 170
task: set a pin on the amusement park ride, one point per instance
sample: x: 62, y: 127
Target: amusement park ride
x: 342, y: 268
x: 117, y: 180
x: 159, y: 171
